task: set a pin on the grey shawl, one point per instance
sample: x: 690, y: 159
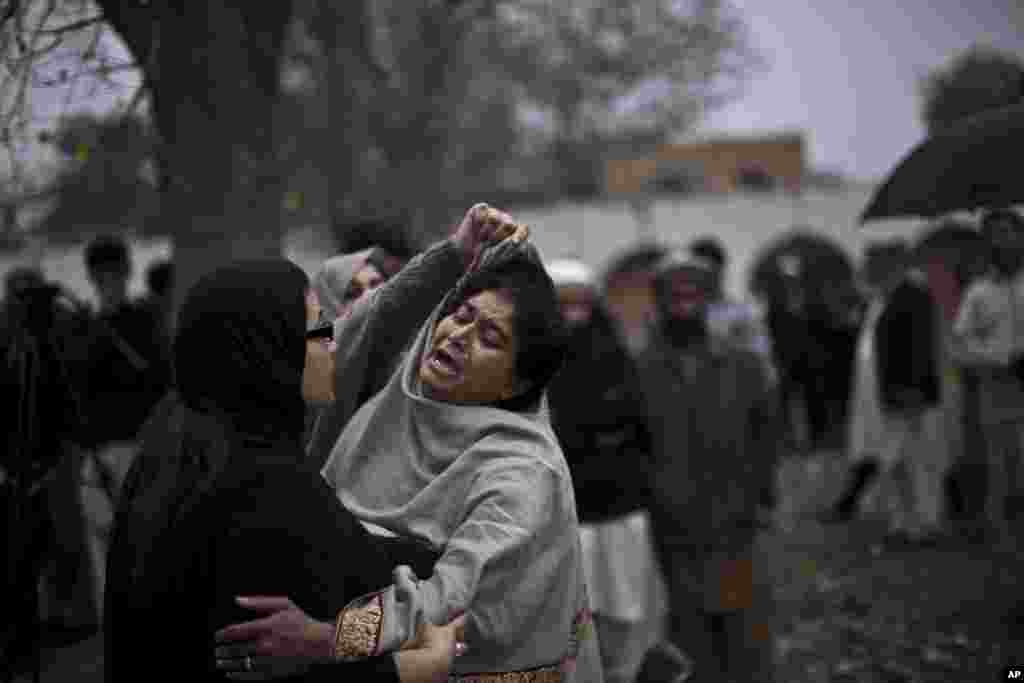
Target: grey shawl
x: 334, y: 278
x: 491, y: 490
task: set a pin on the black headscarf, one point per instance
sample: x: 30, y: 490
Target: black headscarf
x: 239, y: 356
x: 240, y: 351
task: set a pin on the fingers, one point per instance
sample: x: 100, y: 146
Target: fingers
x: 521, y: 233
x: 246, y: 631
x: 479, y: 211
x: 263, y: 603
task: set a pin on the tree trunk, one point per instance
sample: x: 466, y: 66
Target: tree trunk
x: 214, y: 73
x: 353, y: 78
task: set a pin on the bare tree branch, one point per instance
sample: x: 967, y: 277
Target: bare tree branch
x: 73, y: 26
x: 10, y: 11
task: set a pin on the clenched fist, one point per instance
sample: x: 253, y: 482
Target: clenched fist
x: 482, y: 226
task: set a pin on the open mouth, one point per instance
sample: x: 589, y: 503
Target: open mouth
x: 445, y: 363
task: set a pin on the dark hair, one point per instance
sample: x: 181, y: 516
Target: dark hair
x: 160, y: 278
x: 541, y: 335
x: 108, y: 252
x: 712, y: 249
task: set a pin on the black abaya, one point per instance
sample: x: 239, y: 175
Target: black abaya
x: 219, y: 502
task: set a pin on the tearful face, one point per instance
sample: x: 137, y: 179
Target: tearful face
x: 471, y: 357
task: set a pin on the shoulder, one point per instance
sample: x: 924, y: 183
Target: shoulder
x: 527, y: 458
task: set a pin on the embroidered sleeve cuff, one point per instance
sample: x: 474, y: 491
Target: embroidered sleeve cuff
x: 357, y: 633
x: 546, y: 675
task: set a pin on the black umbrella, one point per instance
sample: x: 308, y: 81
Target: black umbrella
x: 970, y: 165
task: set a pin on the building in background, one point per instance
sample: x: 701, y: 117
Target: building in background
x: 766, y: 162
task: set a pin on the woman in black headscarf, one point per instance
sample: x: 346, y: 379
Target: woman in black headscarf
x: 220, y: 503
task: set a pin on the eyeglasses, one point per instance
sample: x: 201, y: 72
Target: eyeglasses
x: 321, y: 333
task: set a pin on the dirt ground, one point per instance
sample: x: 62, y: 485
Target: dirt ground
x: 849, y: 609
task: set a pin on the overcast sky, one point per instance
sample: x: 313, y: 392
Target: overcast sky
x: 847, y: 72
x: 844, y: 72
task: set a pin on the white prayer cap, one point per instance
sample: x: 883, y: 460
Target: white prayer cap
x: 570, y: 273
x: 679, y: 259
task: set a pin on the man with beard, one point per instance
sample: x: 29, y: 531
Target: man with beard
x: 714, y: 424
x: 990, y: 333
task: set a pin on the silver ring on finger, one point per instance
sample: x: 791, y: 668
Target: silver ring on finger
x: 248, y: 663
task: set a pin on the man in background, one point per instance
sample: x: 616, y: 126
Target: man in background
x: 989, y: 331
x: 736, y: 321
x: 714, y: 428
x: 128, y: 371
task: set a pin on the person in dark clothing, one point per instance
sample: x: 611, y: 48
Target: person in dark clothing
x: 126, y: 371
x: 221, y: 502
x: 42, y: 526
x: 129, y: 370
x: 907, y: 347
x: 795, y: 353
x: 598, y: 414
x: 832, y: 328
x: 714, y: 429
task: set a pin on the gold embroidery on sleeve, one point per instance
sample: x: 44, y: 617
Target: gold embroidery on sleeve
x: 358, y: 630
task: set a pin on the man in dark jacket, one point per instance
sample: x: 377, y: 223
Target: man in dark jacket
x: 715, y: 432
x: 127, y: 371
x: 909, y: 387
x: 598, y: 414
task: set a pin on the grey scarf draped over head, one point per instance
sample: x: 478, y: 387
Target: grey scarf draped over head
x: 332, y: 282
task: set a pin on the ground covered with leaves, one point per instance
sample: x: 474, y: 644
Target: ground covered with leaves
x: 851, y: 609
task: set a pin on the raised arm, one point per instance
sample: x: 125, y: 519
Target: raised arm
x: 379, y: 327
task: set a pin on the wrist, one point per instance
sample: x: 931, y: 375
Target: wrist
x: 322, y: 635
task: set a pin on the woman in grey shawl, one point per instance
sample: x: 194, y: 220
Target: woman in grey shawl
x: 343, y: 280
x: 341, y: 283
x: 457, y: 451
